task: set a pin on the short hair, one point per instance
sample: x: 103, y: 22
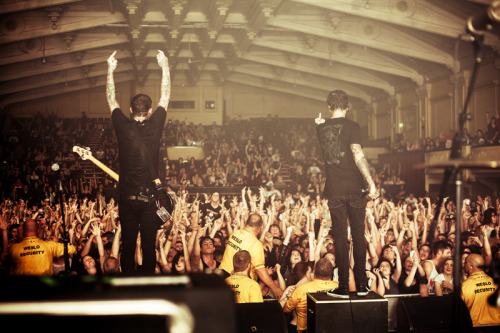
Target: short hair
x: 440, y: 245
x: 323, y: 268
x: 254, y: 220
x: 337, y: 99
x: 140, y: 105
x: 111, y: 265
x: 241, y: 260
x: 204, y: 238
x: 464, y: 236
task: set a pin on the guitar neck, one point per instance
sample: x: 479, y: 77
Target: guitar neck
x: 104, y: 168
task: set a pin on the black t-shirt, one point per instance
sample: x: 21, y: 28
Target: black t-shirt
x: 335, y: 137
x: 134, y: 172
x: 209, y: 211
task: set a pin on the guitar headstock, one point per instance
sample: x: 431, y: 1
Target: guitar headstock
x: 84, y: 153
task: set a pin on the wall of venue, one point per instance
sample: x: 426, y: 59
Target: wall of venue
x: 205, y: 102
x: 426, y: 112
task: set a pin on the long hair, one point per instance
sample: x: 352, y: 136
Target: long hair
x: 298, y: 272
x: 175, y: 260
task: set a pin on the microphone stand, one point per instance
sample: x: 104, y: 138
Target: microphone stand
x: 456, y: 153
x: 65, y: 234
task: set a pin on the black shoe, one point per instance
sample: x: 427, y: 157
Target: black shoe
x: 362, y: 290
x: 338, y: 292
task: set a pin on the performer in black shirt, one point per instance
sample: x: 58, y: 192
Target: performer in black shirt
x: 347, y: 172
x: 138, y: 141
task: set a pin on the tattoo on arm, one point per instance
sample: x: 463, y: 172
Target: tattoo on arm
x: 110, y: 92
x: 361, y: 162
x: 165, y: 88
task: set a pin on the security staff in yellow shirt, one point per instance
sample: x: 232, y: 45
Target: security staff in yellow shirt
x: 245, y: 289
x: 34, y: 256
x: 323, y: 272
x: 246, y: 239
x: 476, y: 290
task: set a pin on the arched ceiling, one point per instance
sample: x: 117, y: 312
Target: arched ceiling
x: 371, y: 48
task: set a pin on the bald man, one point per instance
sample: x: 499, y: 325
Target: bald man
x: 246, y: 239
x: 476, y: 290
x: 34, y: 256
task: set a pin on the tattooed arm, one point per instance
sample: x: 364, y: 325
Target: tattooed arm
x: 165, y: 80
x: 362, y: 163
x: 110, y: 83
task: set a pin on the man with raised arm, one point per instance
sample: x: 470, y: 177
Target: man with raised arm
x: 246, y: 239
x: 347, y: 177
x: 138, y: 146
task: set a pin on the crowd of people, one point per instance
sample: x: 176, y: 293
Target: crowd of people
x: 483, y: 137
x: 405, y: 254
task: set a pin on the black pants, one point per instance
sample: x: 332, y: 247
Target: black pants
x: 135, y: 216
x: 343, y: 208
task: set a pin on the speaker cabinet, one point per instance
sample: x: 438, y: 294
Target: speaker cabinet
x: 357, y: 314
x: 162, y: 303
x: 261, y: 317
x: 431, y: 314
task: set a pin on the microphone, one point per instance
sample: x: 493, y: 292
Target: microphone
x: 485, y: 20
x: 55, y: 168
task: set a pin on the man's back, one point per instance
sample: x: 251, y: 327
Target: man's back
x: 245, y: 289
x: 134, y: 171
x: 298, y: 300
x: 243, y: 240
x: 335, y: 137
x: 475, y: 292
x: 34, y: 256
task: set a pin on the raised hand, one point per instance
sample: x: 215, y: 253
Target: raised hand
x: 112, y: 62
x: 319, y: 120
x: 162, y: 59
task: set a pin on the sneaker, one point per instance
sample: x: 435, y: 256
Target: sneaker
x: 362, y: 290
x: 338, y: 292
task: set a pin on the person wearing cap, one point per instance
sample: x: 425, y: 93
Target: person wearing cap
x: 245, y: 289
x: 34, y: 256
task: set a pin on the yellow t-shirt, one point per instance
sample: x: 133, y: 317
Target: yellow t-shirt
x: 34, y: 256
x: 298, y: 300
x: 243, y: 239
x: 245, y: 289
x: 475, y: 292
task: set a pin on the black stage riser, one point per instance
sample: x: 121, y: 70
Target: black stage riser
x: 357, y: 314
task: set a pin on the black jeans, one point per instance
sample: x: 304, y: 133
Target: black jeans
x: 352, y: 208
x: 138, y: 216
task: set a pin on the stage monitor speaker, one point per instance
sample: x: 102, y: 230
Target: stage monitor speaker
x: 357, y: 314
x: 431, y: 314
x: 160, y: 303
x: 261, y: 317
